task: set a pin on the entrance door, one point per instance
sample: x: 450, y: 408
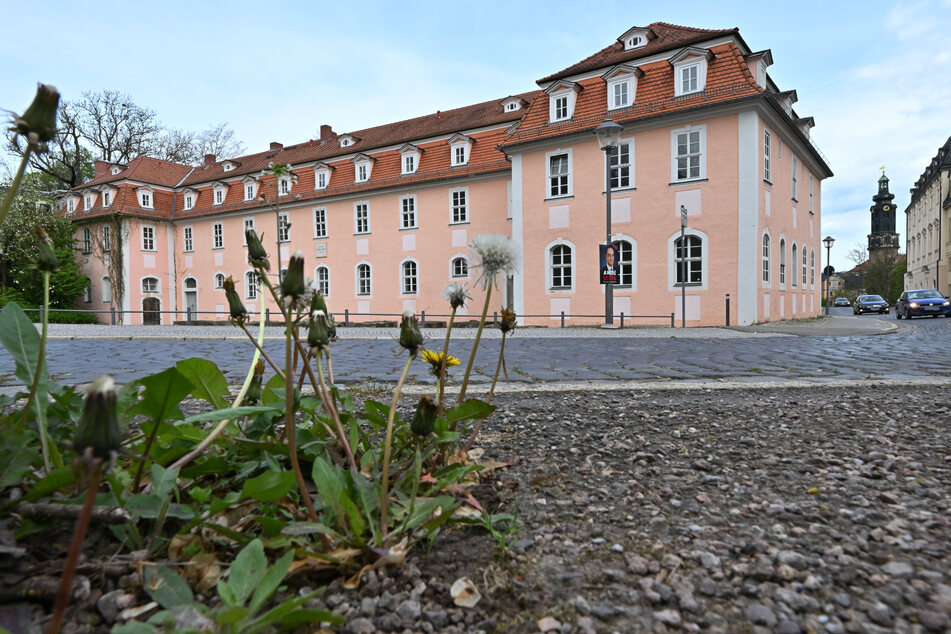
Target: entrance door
x: 150, y: 311
x: 191, y: 299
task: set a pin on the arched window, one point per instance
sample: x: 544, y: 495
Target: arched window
x: 191, y: 284
x: 408, y: 278
x: 219, y: 280
x: 689, y: 256
x: 625, y: 262
x: 560, y: 265
x: 322, y: 280
x: 794, y: 261
x: 804, y: 266
x: 460, y: 267
x: 87, y: 292
x: 765, y: 258
x: 150, y: 285
x: 106, y: 290
x: 250, y: 285
x: 812, y: 269
x: 364, y: 280
x: 782, y: 263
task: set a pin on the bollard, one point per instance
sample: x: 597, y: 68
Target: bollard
x: 727, y: 309
x: 267, y: 316
x: 562, y: 319
x: 622, y: 319
x: 188, y: 314
x: 495, y: 318
x: 346, y: 317
x: 112, y: 314
x: 672, y: 322
x: 42, y: 310
x: 422, y: 319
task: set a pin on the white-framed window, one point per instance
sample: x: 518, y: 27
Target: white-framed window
x: 283, y: 227
x: 247, y: 226
x: 251, y: 285
x: 219, y: 281
x: 804, y: 269
x: 361, y: 217
x: 106, y: 198
x: 189, y: 201
x: 795, y: 179
x: 690, y: 75
x: 409, y: 277
x: 284, y: 186
x: 187, y: 242
x: 459, y: 267
x: 621, y: 160
x: 322, y: 280
x: 219, y: 196
x: 620, y: 92
x: 364, y: 280
x: 362, y: 172
x: 409, y: 163
x: 106, y: 238
x: 795, y: 253
x: 249, y: 191
x: 688, y: 153
x: 148, y: 238
x: 558, y: 164
x: 71, y: 207
x: 145, y: 199
x: 811, y: 183
x: 88, y: 200
x: 458, y: 206
x: 408, y: 212
x: 87, y: 240
x: 150, y: 285
x: 560, y: 105
x: 321, y: 179
x: 320, y: 222
x: 626, y: 250
x: 690, y: 258
x: 765, y: 259
x: 560, y: 267
x: 782, y: 264
x: 87, y: 292
x: 766, y: 154
x: 460, y: 153
x: 218, y: 235
x: 106, y: 285
x: 812, y: 269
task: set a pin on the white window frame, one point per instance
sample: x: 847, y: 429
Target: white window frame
x: 87, y: 291
x: 251, y: 284
x: 217, y: 236
x: 622, y: 262
x: 701, y: 131
x: 105, y: 285
x: 453, y: 274
x: 561, y: 105
x: 812, y: 269
x: 189, y: 201
x: 408, y: 219
x: 148, y: 237
x: 361, y: 171
x: 627, y: 82
x: 146, y: 200
x: 459, y: 153
x: 87, y: 240
x: 283, y: 227
x: 805, y: 261
x: 688, y: 87
x: 106, y: 199
x: 250, y: 190
x: 766, y: 246
x: 361, y: 214
x: 767, y: 149
x: 357, y: 279
x: 795, y: 179
x: 567, y: 184
x: 459, y: 213
x: 71, y: 207
x: 795, y: 263
x: 571, y: 266
x: 320, y: 222
x: 620, y: 183
x: 321, y: 175
x: 148, y: 287
x: 220, y: 194
x: 284, y: 186
x: 673, y: 264
x: 188, y: 239
x: 409, y: 163
x: 106, y: 238
x: 409, y: 280
x: 246, y: 223
x: 782, y: 263
x: 322, y: 285
x: 219, y: 282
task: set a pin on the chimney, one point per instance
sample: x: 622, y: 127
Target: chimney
x: 100, y: 168
x: 209, y: 159
x: 326, y: 132
x: 277, y: 146
x: 438, y: 114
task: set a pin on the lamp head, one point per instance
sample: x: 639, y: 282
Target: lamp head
x: 828, y: 241
x: 609, y: 133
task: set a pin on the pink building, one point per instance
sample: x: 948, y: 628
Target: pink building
x: 385, y: 215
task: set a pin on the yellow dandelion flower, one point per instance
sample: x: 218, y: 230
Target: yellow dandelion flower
x: 435, y: 359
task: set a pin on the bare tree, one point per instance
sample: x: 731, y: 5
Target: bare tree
x: 858, y: 254
x: 117, y: 128
x: 218, y: 140
x: 189, y: 148
x: 107, y: 247
x: 68, y: 162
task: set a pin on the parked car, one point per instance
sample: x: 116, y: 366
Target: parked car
x: 922, y: 302
x: 869, y: 304
x: 841, y: 301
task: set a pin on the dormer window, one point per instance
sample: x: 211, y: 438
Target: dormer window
x: 322, y: 175
x: 219, y: 193
x: 106, y: 198
x: 409, y: 159
x: 284, y: 187
x: 115, y: 170
x: 636, y: 38
x: 512, y: 104
x: 561, y: 100
x: 189, y: 200
x: 70, y: 205
x: 363, y: 165
x: 459, y: 147
x: 690, y: 70
x: 622, y: 86
x: 409, y: 163
x: 560, y: 107
x: 249, y: 191
x: 346, y: 140
x: 145, y: 198
x: 88, y: 201
x: 229, y: 165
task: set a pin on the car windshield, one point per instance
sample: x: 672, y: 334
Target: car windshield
x: 871, y: 298
x: 924, y: 294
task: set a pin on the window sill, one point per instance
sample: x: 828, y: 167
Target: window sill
x: 188, y: 251
x: 409, y: 228
x: 217, y: 248
x: 555, y: 199
x: 794, y: 200
x: 766, y: 181
x: 561, y: 289
x: 688, y: 181
x: 458, y: 224
x: 365, y: 233
x: 320, y: 237
x: 621, y: 190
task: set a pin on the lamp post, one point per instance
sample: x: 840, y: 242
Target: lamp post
x: 828, y: 241
x: 608, y: 135
x: 683, y: 268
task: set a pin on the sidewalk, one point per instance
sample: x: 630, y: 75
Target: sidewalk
x: 816, y: 327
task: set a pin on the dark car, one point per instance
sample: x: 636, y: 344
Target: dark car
x: 922, y: 302
x: 841, y: 301
x: 869, y: 304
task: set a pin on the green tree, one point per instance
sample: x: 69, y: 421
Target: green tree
x: 884, y: 276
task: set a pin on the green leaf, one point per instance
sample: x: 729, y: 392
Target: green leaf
x: 208, y: 383
x: 57, y: 479
x: 247, y: 570
x: 272, y: 579
x: 273, y: 392
x: 16, y: 458
x: 425, y: 508
x: 299, y: 617
x: 231, y: 615
x: 163, y: 392
x: 271, y: 525
x: 163, y: 480
x: 167, y: 587
x: 19, y: 336
x: 330, y: 487
x: 472, y: 409
x: 126, y: 398
x: 145, y: 506
x: 270, y: 486
x: 133, y: 627
x: 230, y: 413
x: 227, y: 594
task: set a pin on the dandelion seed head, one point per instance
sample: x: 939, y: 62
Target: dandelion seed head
x: 456, y: 294
x: 496, y: 254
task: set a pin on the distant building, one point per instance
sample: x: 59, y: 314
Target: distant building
x: 883, y: 241
x: 928, y: 226
x: 384, y: 215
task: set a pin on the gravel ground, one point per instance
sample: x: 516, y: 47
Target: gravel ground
x: 782, y: 510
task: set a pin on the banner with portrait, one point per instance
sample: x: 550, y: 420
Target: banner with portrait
x: 610, y: 267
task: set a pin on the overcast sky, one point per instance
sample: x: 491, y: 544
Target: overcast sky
x: 874, y: 74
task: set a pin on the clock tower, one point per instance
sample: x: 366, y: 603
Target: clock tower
x: 883, y: 241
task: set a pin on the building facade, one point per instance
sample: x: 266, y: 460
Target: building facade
x: 927, y: 222
x: 385, y: 215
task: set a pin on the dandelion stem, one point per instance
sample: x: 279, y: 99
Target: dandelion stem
x: 498, y: 366
x: 35, y: 386
x: 387, y: 444
x: 445, y: 362
x: 320, y: 388
x: 14, y: 185
x: 289, y: 425
x: 261, y: 351
x: 475, y: 347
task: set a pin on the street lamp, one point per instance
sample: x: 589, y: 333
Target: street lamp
x: 609, y: 133
x: 683, y: 268
x: 828, y: 241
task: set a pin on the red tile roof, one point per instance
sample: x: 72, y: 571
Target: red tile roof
x: 145, y: 169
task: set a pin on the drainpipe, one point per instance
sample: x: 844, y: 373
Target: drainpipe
x: 174, y: 273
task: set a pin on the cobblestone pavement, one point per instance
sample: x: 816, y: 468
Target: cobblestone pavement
x: 916, y: 350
